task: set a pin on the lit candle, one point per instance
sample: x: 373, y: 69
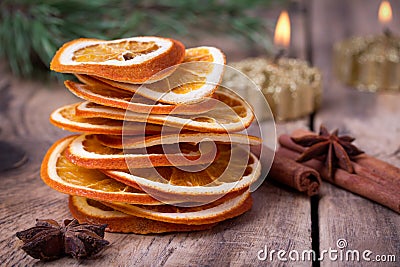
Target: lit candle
x: 385, y: 13
x: 372, y: 62
x: 282, y: 34
x: 292, y: 88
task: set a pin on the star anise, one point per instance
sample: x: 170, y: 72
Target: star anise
x: 337, y: 151
x: 48, y: 240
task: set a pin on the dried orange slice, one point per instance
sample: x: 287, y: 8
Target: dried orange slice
x: 133, y: 142
x: 62, y: 175
x: 86, y: 151
x: 230, y: 114
x: 234, y: 169
x: 206, y: 214
x: 91, y: 211
x: 130, y: 60
x: 65, y: 118
x: 197, y: 77
x: 106, y: 95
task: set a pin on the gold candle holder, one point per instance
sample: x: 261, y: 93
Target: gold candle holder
x: 369, y: 63
x: 291, y: 87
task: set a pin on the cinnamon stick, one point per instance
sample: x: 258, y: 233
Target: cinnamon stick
x: 295, y: 175
x: 366, y: 181
x: 355, y: 183
x: 288, y: 171
x: 364, y: 165
x: 379, y: 167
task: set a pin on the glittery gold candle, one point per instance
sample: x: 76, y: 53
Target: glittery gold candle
x: 370, y: 63
x: 292, y: 88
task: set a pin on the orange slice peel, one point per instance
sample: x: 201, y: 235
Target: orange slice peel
x: 86, y: 151
x: 112, y: 97
x: 132, y: 142
x: 66, y: 119
x: 233, y: 170
x: 210, y: 213
x: 89, y: 211
x: 130, y: 60
x: 230, y: 114
x: 196, y: 78
x: 63, y: 176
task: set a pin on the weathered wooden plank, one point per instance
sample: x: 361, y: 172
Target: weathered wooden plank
x: 234, y: 242
x: 371, y: 118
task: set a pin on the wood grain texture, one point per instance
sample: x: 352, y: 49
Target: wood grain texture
x: 234, y: 242
x: 372, y: 118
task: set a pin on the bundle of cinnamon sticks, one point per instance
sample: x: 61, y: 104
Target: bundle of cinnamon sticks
x: 372, y: 178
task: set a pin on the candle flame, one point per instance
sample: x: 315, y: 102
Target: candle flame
x: 385, y: 12
x: 282, y: 30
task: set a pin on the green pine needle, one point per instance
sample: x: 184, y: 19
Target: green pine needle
x: 32, y: 31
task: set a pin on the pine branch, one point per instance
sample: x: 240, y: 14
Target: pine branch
x: 31, y: 32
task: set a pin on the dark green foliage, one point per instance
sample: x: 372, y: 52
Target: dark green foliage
x: 32, y: 31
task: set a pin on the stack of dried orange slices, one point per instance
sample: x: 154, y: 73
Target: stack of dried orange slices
x: 159, y: 148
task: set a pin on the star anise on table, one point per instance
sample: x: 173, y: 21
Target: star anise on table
x: 48, y: 240
x: 337, y: 151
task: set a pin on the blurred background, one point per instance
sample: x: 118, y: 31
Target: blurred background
x: 31, y: 31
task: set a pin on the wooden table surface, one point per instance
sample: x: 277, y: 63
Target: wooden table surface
x: 280, y: 217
